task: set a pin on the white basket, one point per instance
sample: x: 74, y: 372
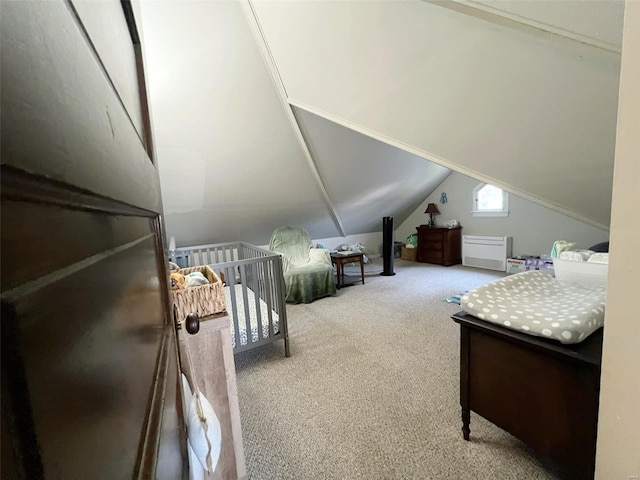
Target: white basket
x: 582, y: 273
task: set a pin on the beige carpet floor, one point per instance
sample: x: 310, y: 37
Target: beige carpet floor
x: 371, y: 390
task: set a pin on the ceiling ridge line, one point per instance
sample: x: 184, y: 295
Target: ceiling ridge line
x: 445, y: 163
x: 254, y: 24
x: 267, y: 57
x: 521, y: 23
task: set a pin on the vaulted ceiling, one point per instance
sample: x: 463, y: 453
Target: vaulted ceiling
x: 331, y: 115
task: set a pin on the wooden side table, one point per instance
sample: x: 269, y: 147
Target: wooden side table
x: 339, y: 259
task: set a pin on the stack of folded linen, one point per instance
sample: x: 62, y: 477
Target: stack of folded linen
x: 584, y: 267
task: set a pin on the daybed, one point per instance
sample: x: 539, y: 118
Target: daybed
x: 514, y: 374
x: 253, y: 284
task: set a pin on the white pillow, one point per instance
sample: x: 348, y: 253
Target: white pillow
x: 195, y: 469
x: 203, y: 432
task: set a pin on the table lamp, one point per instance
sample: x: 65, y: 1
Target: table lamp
x: 432, y: 209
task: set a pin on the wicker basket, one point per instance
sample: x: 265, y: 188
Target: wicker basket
x: 408, y: 253
x: 204, y: 300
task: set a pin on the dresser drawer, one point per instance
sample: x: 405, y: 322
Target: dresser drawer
x: 432, y: 234
x: 433, y: 257
x: 432, y: 244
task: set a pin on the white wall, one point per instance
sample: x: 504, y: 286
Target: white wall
x: 230, y: 165
x: 534, y: 228
x: 534, y: 113
x: 618, y: 449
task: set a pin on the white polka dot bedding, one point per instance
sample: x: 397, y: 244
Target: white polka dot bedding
x: 536, y: 303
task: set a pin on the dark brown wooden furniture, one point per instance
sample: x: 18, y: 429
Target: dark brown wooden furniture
x: 89, y: 351
x: 541, y: 391
x: 441, y: 245
x: 339, y: 259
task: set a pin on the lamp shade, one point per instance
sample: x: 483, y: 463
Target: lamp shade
x: 432, y: 208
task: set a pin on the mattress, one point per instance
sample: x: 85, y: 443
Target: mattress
x: 239, y: 312
x: 534, y: 302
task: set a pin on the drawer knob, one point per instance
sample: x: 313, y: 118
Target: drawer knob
x: 192, y: 323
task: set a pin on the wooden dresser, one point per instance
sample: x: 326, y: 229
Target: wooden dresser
x: 441, y: 245
x: 539, y: 390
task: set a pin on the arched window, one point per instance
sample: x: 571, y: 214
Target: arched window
x: 490, y: 201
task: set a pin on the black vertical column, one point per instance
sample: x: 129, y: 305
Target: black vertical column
x: 387, y: 246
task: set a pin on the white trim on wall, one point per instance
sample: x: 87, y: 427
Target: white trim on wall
x: 444, y: 162
x: 276, y: 78
x: 490, y: 213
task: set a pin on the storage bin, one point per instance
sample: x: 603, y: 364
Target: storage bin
x: 203, y: 300
x: 397, y: 249
x: 535, y: 263
x: 515, y: 265
x: 583, y: 273
x: 408, y: 253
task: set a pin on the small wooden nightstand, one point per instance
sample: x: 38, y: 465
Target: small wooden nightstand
x: 441, y: 245
x: 339, y: 259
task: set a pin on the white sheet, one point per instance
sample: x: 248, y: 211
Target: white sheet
x: 253, y: 315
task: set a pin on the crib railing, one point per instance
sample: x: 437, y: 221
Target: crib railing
x: 252, y: 268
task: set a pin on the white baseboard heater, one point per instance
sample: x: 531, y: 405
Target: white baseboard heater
x: 486, y: 251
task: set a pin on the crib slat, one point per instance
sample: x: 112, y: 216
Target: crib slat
x: 256, y: 299
x: 245, y: 301
x: 283, y: 324
x: 275, y: 286
x: 267, y: 294
x: 230, y: 280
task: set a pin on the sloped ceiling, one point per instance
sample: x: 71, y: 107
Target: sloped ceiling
x: 230, y: 166
x: 365, y: 178
x: 232, y: 160
x: 323, y: 114
x: 531, y: 111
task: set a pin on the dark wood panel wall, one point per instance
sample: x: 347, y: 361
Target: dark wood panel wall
x: 89, y: 359
x: 84, y: 339
x: 62, y: 117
